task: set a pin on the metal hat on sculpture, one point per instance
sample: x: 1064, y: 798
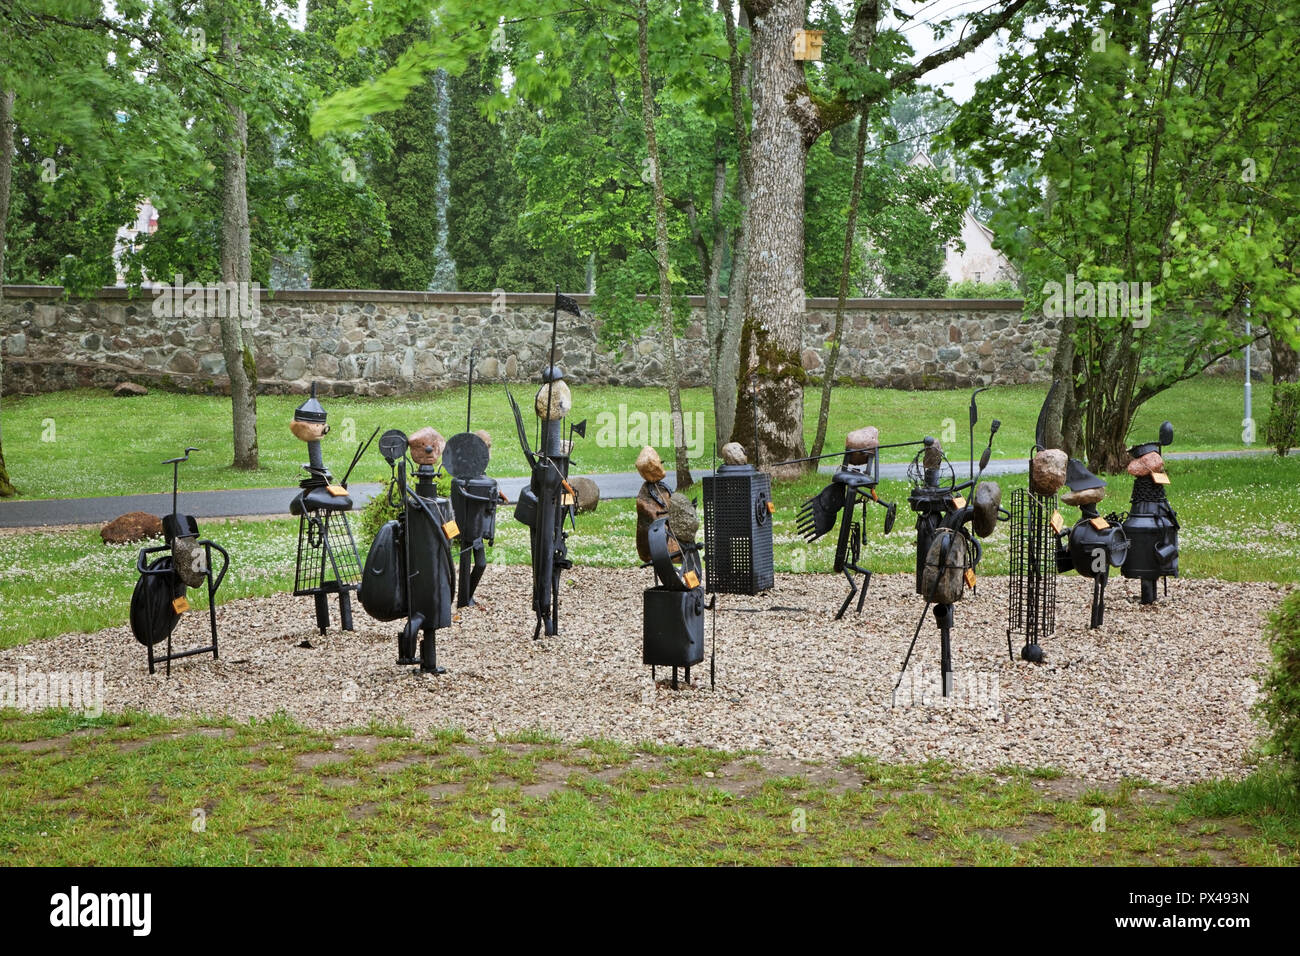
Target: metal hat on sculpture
x: 328, y: 562
x: 549, y: 499
x: 1152, y: 524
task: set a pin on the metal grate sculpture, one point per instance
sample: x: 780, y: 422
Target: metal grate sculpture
x: 738, y: 511
x: 327, y: 561
x: 1031, y: 587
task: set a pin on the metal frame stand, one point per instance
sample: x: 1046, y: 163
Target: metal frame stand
x: 212, y: 584
x: 1031, y: 592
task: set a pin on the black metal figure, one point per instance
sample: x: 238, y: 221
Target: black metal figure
x: 474, y: 500
x: 159, y: 598
x: 410, y: 571
x: 549, y: 499
x: 1152, y: 524
x: 328, y: 562
x: 673, y: 610
x: 854, y: 482
x: 946, y: 551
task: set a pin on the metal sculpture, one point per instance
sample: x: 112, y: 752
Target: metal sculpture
x: 410, y: 570
x: 738, y: 510
x: 328, y: 562
x: 947, y: 553
x: 1152, y: 524
x: 853, y: 484
x: 184, y: 561
x: 474, y: 498
x: 549, y: 499
x: 672, y: 632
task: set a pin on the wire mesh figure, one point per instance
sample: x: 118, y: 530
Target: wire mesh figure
x: 1031, y: 590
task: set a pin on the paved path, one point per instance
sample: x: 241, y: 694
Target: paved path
x: 275, y: 501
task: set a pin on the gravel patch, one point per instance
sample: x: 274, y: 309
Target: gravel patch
x: 1162, y: 693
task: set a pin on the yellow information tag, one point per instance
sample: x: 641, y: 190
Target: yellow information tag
x: 566, y: 499
x: 692, y: 579
x: 1058, y: 523
x: 1159, y: 477
x: 970, y: 577
x: 771, y: 507
x: 180, y: 605
x: 1101, y: 524
x: 338, y: 491
x: 451, y: 529
x: 958, y: 501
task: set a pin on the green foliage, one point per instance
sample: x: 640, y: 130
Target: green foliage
x: 1283, y: 430
x: 970, y: 289
x: 377, y: 512
x: 1280, y: 705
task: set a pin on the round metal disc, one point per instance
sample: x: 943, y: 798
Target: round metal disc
x: 392, y: 444
x: 466, y: 455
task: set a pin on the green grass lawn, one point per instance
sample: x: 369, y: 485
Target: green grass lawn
x: 1239, y: 523
x: 133, y: 790
x: 83, y: 443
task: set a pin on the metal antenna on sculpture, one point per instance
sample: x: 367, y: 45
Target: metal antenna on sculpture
x: 469, y: 395
x: 974, y: 417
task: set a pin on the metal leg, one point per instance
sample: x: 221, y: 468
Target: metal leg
x: 429, y: 653
x: 322, y: 611
x: 1098, y: 599
x: 862, y: 595
x: 943, y: 617
x: 345, y: 609
x: 1148, y: 590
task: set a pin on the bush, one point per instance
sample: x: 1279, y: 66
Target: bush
x: 378, y: 511
x: 1280, y: 705
x: 970, y: 289
x: 1283, y: 430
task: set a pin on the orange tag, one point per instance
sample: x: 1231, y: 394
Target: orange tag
x: 1058, y: 523
x: 958, y: 501
x: 970, y: 577
x: 566, y: 499
x: 180, y: 605
x: 771, y: 507
x: 692, y: 579
x: 451, y: 529
x: 338, y: 491
x: 1100, y: 524
x: 1159, y: 477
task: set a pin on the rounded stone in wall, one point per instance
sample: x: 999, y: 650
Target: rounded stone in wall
x: 811, y: 360
x: 488, y: 368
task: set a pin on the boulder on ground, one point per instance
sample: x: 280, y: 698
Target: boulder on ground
x: 1047, y: 471
x: 587, y: 492
x: 133, y: 526
x: 129, y: 390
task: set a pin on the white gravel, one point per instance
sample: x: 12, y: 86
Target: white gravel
x: 1162, y: 693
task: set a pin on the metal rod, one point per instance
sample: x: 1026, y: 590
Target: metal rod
x: 469, y: 395
x: 841, y: 454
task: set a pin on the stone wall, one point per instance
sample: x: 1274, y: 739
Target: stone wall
x: 383, y: 343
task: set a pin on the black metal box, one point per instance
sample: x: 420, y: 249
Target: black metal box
x: 738, y: 531
x: 672, y: 632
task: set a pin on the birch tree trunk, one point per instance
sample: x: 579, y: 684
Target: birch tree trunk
x: 237, y: 267
x: 6, y: 178
x: 680, y: 454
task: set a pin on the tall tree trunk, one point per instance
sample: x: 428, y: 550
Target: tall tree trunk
x: 727, y: 347
x: 661, y: 249
x: 846, y: 264
x: 1057, y: 432
x: 6, y: 178
x: 237, y: 267
x: 785, y: 127
x: 1285, y: 360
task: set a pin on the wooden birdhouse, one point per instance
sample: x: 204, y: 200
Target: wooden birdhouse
x: 808, y: 44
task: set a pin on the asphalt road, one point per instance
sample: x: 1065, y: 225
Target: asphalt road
x: 19, y: 513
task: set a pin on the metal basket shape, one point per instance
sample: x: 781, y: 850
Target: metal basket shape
x: 328, y: 562
x: 738, y: 531
x: 1031, y: 588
